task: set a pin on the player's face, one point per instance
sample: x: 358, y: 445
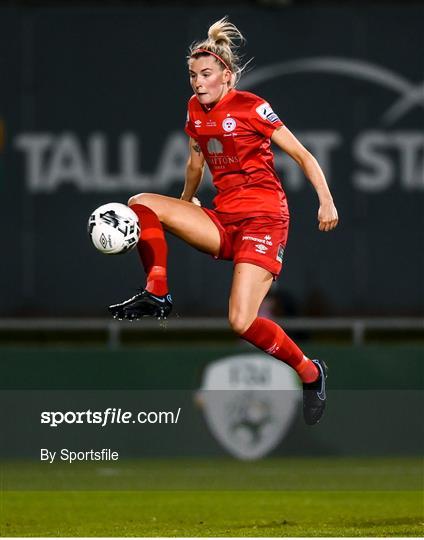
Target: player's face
x: 209, y: 81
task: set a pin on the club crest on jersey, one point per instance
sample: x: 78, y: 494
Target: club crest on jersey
x: 229, y: 124
x: 265, y: 111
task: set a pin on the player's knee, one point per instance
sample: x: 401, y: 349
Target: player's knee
x: 140, y: 198
x: 239, y: 322
x: 151, y: 200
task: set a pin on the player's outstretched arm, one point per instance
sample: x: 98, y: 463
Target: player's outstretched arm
x: 327, y: 213
x: 194, y: 172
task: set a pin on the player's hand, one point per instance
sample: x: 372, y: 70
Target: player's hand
x: 327, y: 216
x: 193, y: 200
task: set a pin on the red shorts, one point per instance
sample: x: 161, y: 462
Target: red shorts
x: 259, y: 240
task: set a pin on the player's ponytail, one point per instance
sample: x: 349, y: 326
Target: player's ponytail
x: 225, y: 34
x: 223, y: 41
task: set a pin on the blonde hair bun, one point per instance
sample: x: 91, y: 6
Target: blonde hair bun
x: 223, y: 33
x: 223, y: 41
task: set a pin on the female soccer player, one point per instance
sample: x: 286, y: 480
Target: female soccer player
x: 232, y: 131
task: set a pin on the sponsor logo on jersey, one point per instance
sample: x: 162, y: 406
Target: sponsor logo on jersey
x: 266, y: 113
x: 198, y: 123
x: 215, y: 157
x: 280, y: 253
x: 215, y: 146
x: 229, y: 124
x: 211, y: 123
x: 266, y: 240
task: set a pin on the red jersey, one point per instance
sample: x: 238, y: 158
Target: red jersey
x: 235, y: 140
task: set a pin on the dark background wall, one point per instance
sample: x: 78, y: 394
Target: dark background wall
x: 92, y: 108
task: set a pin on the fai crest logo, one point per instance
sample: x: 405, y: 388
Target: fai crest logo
x: 249, y: 402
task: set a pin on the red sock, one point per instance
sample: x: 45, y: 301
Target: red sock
x: 272, y: 339
x: 153, y: 249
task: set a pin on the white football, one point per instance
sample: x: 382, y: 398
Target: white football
x: 114, y: 228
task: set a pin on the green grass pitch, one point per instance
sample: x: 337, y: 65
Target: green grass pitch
x: 197, y: 497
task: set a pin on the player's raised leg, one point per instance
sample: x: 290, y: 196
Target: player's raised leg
x: 250, y: 285
x: 183, y: 219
